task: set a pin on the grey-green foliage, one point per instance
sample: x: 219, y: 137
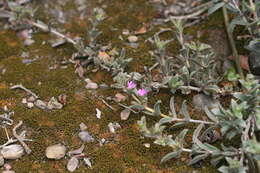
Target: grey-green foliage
x: 197, y: 69
x: 246, y: 13
x: 114, y: 63
x: 193, y: 69
x: 239, y: 126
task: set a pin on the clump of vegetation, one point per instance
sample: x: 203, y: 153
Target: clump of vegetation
x: 240, y: 121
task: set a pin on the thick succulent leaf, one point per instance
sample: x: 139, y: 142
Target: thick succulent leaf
x: 165, y: 120
x: 184, y: 111
x: 178, y: 125
x: 157, y: 110
x: 171, y: 155
x: 198, y: 158
x: 210, y: 115
x: 216, y: 7
x: 182, y: 135
x: 172, y: 107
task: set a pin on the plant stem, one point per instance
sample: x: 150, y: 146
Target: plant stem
x: 186, y: 150
x: 232, y: 42
x: 51, y: 30
x: 179, y: 119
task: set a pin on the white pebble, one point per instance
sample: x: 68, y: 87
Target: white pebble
x: 132, y: 39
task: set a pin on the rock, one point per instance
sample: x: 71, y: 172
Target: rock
x: 91, y: 85
x: 200, y: 101
x: 125, y: 114
x: 14, y: 151
x: 2, y: 160
x: 55, y: 151
x: 73, y: 164
x: 85, y: 137
x: 132, y: 39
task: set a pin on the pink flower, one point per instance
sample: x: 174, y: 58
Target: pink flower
x: 142, y: 92
x: 131, y: 85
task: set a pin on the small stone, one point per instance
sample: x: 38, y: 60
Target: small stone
x: 40, y: 104
x: 147, y: 145
x: 91, y: 85
x: 2, y: 160
x: 82, y: 126
x: 125, y: 114
x: 73, y: 164
x: 87, y: 80
x: 85, y: 136
x: 132, y: 39
x: 54, y: 104
x: 7, y: 166
x: 200, y: 101
x: 24, y: 101
x: 30, y: 105
x: 31, y: 99
x: 103, y: 86
x: 8, y: 171
x: 87, y: 162
x: 98, y: 113
x: 14, y: 151
x: 28, y: 42
x: 55, y: 151
x: 125, y: 32
x: 113, y: 127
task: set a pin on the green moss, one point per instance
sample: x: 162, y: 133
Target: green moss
x: 9, y: 44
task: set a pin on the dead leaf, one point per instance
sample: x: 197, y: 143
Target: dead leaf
x: 142, y: 30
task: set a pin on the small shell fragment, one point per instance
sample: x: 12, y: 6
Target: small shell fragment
x: 56, y: 152
x: 87, y: 162
x: 40, y: 104
x: 113, y: 127
x: 14, y: 151
x: 77, y: 151
x: 98, y: 113
x: 72, y: 164
x: 54, y: 104
x: 2, y: 160
x: 85, y: 136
